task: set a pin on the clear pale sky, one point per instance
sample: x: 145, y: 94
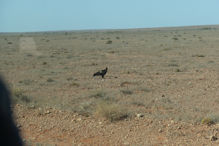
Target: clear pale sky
x: 47, y: 15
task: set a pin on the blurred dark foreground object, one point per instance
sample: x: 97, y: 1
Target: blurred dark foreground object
x: 9, y: 134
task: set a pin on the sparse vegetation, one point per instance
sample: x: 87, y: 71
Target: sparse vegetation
x: 101, y: 95
x: 112, y: 52
x: 111, y: 111
x: 94, y: 64
x: 74, y: 84
x: 175, y: 38
x: 138, y: 103
x: 210, y: 119
x: 145, y: 89
x: 206, y: 28
x: 109, y: 42
x: 211, y: 61
x: 126, y: 83
x: 20, y: 97
x: 149, y: 73
x: 50, y: 80
x: 26, y: 82
x: 127, y: 92
x: 166, y: 49
x: 198, y: 55
x: 70, y: 79
x: 173, y: 65
x: 86, y: 108
x: 207, y: 121
x: 178, y: 70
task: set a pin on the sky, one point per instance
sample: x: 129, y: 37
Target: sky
x: 55, y: 15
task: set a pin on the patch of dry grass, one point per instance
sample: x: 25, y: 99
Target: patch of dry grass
x: 127, y: 92
x: 99, y: 94
x: 20, y: 97
x: 207, y: 121
x: 126, y: 83
x: 74, y: 84
x: 198, y: 55
x: 210, y: 119
x: 50, y: 80
x: 109, y: 42
x: 111, y: 111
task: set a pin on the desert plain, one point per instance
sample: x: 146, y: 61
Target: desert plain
x: 161, y: 88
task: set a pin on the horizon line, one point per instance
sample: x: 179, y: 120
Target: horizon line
x: 111, y: 29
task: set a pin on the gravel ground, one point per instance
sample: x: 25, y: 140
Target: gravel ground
x: 54, y: 127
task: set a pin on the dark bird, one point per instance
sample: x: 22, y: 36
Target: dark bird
x: 101, y: 73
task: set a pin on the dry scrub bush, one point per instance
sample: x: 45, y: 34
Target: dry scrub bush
x: 19, y: 96
x: 210, y: 119
x: 127, y: 92
x: 207, y: 121
x: 111, y: 111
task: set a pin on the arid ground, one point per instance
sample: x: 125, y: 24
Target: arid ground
x: 161, y: 87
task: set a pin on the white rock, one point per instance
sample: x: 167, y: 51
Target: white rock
x: 47, y: 112
x: 160, y: 130
x: 32, y: 106
x: 79, y: 119
x: 126, y: 143
x: 213, y: 138
x: 139, y: 115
